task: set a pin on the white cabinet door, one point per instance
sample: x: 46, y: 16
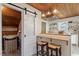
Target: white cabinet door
x: 29, y: 34
x: 74, y: 39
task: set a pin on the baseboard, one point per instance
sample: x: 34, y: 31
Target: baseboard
x: 35, y: 54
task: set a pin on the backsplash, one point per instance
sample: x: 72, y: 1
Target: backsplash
x: 67, y: 27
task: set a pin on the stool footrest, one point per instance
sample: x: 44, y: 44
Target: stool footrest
x: 39, y: 52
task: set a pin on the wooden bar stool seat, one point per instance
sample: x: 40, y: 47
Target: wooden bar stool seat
x: 43, y: 45
x: 54, y: 47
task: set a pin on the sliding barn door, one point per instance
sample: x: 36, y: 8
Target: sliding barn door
x: 29, y: 34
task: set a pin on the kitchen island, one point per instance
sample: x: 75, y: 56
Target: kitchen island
x: 63, y: 40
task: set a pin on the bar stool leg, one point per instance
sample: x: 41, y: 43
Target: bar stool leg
x: 47, y: 52
x: 56, y: 52
x: 51, y: 52
x: 60, y: 51
x: 37, y: 49
x: 42, y: 51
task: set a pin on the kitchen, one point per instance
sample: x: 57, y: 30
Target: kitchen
x: 60, y: 27
x: 59, y: 33
x: 55, y: 26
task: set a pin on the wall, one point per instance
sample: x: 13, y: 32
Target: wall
x: 0, y: 32
x: 66, y: 20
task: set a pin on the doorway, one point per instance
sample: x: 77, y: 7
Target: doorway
x: 43, y: 27
x: 11, y: 32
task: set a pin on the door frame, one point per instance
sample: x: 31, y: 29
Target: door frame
x: 0, y: 29
x: 22, y: 25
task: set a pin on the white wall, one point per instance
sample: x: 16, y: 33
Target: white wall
x: 0, y: 31
x: 75, y: 19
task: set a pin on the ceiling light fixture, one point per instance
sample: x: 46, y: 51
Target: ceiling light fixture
x: 43, y: 15
x: 48, y: 13
x: 55, y: 11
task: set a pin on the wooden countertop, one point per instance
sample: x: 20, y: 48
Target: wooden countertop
x: 56, y: 37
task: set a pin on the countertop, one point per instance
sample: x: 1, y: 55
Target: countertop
x: 56, y: 36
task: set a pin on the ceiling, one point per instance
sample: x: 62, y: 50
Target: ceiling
x: 10, y: 19
x: 64, y: 10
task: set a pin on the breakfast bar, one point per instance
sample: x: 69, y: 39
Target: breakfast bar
x: 63, y: 40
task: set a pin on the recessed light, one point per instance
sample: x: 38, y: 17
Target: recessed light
x: 48, y: 13
x: 43, y: 15
x: 55, y: 11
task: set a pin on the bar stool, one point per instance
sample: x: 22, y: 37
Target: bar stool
x: 54, y: 48
x: 43, y: 45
